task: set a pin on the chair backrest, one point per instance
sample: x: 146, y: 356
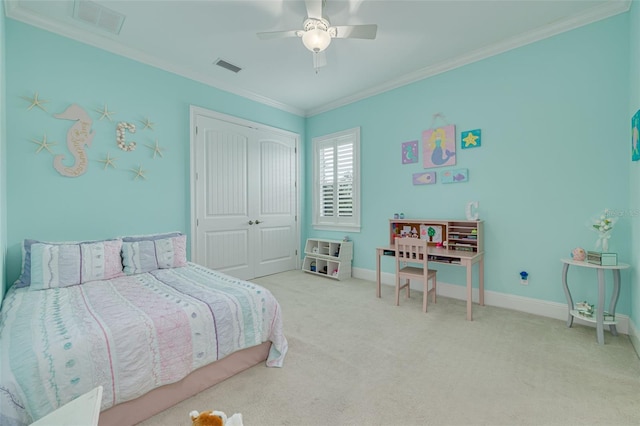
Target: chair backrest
x: 413, y: 250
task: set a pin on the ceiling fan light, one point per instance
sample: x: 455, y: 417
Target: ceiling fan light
x: 316, y: 40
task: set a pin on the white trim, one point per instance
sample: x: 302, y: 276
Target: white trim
x: 529, y: 305
x: 604, y: 11
x: 104, y: 42
x: 607, y: 10
x: 336, y: 223
x: 634, y: 336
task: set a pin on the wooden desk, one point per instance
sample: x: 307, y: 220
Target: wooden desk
x: 599, y: 320
x: 467, y: 259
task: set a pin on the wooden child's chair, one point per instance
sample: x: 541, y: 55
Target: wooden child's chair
x: 413, y: 251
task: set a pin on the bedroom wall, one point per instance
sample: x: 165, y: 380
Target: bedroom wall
x: 3, y: 162
x: 634, y: 175
x: 42, y: 204
x: 555, y: 152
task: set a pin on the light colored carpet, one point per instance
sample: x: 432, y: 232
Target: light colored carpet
x: 357, y: 360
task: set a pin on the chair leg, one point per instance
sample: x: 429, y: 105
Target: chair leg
x: 408, y: 284
x: 425, y: 295
x: 433, y: 286
x: 397, y: 290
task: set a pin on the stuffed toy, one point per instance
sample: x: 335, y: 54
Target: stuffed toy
x: 215, y: 418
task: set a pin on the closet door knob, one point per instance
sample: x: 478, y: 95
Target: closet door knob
x: 258, y: 222
x: 250, y: 222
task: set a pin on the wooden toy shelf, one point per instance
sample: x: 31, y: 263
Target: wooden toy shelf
x: 460, y: 235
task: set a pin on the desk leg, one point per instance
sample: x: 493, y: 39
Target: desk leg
x: 378, y: 253
x: 614, y: 299
x: 481, y: 280
x: 469, y: 292
x: 565, y: 269
x: 600, y: 311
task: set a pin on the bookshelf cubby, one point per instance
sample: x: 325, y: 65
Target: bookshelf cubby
x: 329, y: 258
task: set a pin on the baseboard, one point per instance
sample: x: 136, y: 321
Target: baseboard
x: 635, y: 340
x: 502, y: 300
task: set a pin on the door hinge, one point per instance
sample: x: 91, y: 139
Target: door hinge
x: 196, y: 130
x: 296, y: 252
x: 197, y: 222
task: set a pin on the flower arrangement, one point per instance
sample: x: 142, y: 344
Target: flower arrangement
x: 603, y: 224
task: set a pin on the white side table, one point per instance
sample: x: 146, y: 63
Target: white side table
x: 84, y: 410
x: 600, y: 322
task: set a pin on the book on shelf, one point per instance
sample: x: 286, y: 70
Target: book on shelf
x: 587, y: 310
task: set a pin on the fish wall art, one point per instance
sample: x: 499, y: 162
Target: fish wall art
x: 454, y: 176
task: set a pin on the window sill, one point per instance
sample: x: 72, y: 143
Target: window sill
x: 340, y: 228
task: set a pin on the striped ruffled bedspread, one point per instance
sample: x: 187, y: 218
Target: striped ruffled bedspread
x: 129, y: 334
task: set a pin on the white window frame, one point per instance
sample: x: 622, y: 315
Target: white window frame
x: 337, y: 223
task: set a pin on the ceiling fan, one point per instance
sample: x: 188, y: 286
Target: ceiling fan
x: 317, y: 32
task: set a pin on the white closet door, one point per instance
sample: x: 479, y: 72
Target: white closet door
x: 245, y: 198
x: 275, y: 203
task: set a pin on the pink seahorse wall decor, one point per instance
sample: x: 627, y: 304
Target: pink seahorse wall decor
x: 78, y: 136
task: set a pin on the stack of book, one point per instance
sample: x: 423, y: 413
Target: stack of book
x: 603, y: 259
x: 587, y: 310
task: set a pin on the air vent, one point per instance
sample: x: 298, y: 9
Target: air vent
x: 227, y: 65
x: 98, y: 16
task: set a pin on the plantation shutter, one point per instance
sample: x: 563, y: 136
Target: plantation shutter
x: 336, y: 180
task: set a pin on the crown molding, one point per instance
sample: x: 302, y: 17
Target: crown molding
x: 604, y: 11
x: 607, y: 10
x: 13, y: 11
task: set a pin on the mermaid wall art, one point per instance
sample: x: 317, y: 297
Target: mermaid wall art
x: 439, y: 146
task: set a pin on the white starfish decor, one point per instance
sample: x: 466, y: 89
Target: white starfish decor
x: 43, y: 144
x: 105, y: 113
x: 108, y: 161
x: 35, y: 102
x: 156, y: 149
x: 139, y: 173
x: 147, y: 124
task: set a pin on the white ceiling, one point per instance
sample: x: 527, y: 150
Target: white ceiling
x: 415, y: 39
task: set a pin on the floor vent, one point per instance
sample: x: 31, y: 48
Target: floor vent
x: 227, y: 65
x: 98, y: 16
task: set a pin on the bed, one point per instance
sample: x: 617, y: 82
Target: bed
x: 132, y: 316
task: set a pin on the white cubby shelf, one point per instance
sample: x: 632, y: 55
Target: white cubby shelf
x: 329, y: 258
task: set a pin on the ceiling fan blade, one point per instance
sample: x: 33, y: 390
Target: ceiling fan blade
x: 319, y: 60
x: 277, y: 34
x: 356, y: 31
x: 314, y: 8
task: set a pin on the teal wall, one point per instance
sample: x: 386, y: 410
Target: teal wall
x: 634, y: 175
x: 3, y: 144
x: 42, y: 204
x: 555, y: 152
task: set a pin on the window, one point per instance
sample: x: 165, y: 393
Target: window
x: 336, y: 181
